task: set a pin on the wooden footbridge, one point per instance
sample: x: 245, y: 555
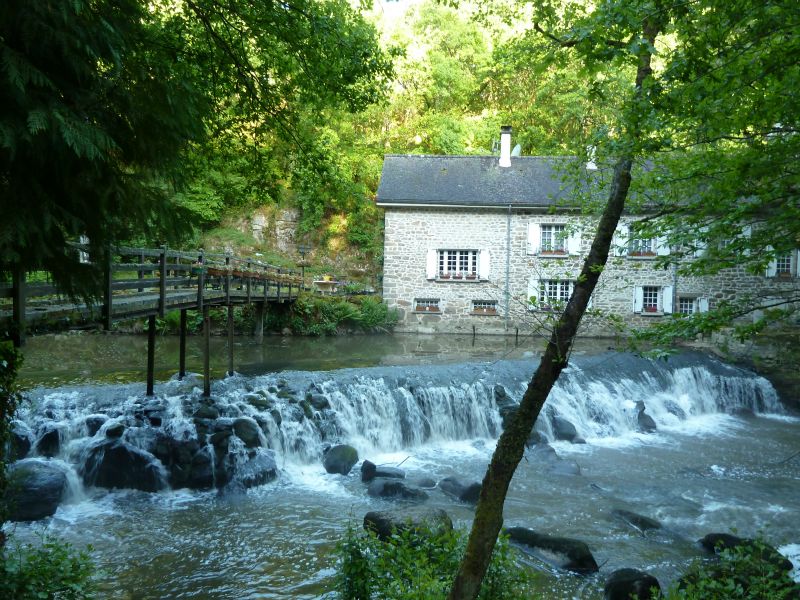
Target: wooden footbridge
x: 148, y: 283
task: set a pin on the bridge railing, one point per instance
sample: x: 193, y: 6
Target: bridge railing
x: 144, y: 281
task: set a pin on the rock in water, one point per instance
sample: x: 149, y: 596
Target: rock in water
x: 563, y: 429
x: 638, y: 521
x: 370, y: 471
x: 340, y: 459
x: 393, y: 488
x: 35, y: 489
x: 463, y: 492
x: 565, y: 553
x: 113, y: 463
x: 421, y: 520
x: 627, y: 584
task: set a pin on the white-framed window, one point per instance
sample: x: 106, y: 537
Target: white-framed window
x: 626, y: 242
x: 689, y: 305
x: 553, y: 239
x: 784, y: 266
x: 484, y: 307
x: 457, y: 264
x: 549, y: 294
x: 652, y: 299
x: 427, y: 305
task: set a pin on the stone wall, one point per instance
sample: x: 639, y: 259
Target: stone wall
x: 411, y: 232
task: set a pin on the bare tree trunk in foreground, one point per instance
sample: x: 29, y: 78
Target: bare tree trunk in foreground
x: 511, y: 445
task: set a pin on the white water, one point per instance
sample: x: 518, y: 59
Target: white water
x: 703, y: 470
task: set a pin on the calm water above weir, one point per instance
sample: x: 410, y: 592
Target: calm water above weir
x: 430, y: 404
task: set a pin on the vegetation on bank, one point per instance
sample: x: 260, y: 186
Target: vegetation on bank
x: 420, y: 565
x: 310, y: 314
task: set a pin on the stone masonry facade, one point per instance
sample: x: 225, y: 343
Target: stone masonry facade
x: 495, y: 300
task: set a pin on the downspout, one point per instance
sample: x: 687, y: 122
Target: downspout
x: 508, y: 264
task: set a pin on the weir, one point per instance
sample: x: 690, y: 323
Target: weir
x: 294, y: 416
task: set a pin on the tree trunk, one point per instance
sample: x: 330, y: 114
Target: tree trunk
x: 511, y: 445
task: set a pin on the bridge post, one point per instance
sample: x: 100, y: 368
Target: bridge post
x: 151, y: 353
x: 228, y: 279
x: 108, y: 289
x: 182, y: 349
x: 278, y: 293
x: 18, y: 310
x: 140, y: 272
x: 162, y: 291
x: 249, y: 280
x: 206, y: 352
x: 258, y: 333
x: 230, y: 340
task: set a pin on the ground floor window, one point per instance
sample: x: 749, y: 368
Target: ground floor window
x: 783, y: 265
x: 426, y: 305
x: 686, y: 305
x: 549, y: 294
x: 484, y: 307
x: 652, y: 299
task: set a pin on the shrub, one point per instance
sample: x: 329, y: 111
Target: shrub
x: 414, y: 565
x: 53, y: 569
x: 748, y: 571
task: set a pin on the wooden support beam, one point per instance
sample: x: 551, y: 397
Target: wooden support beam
x: 258, y: 332
x: 18, y: 310
x: 201, y: 282
x: 206, y: 352
x: 230, y: 340
x: 182, y: 349
x: 278, y: 292
x: 151, y: 353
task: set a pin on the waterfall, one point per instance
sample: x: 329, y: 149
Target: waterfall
x: 294, y: 416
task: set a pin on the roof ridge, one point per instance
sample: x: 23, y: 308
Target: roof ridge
x: 494, y: 156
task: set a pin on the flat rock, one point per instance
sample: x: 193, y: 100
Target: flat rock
x: 420, y: 519
x: 565, y: 553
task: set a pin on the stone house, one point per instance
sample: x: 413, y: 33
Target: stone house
x: 477, y: 242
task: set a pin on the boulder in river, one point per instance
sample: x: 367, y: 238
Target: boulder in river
x: 547, y: 456
x: 370, y: 471
x: 420, y: 519
x: 20, y: 441
x: 117, y: 464
x: 247, y: 430
x: 36, y: 488
x: 49, y: 441
x: 394, y: 488
x: 463, y: 492
x: 340, y: 459
x: 563, y: 429
x: 627, y: 584
x: 643, y: 420
x: 635, y: 520
x: 565, y: 553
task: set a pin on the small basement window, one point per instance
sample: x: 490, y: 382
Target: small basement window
x: 430, y: 305
x: 484, y: 307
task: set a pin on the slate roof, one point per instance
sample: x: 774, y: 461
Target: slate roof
x: 424, y: 180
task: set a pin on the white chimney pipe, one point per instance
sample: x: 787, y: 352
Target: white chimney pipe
x: 505, y: 146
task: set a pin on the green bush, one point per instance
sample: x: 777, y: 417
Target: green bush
x: 53, y: 569
x: 324, y: 315
x: 750, y: 571
x: 414, y: 565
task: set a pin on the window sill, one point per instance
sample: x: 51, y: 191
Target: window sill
x: 645, y: 313
x: 642, y: 256
x: 459, y: 280
x: 426, y: 312
x: 553, y: 255
x: 484, y: 314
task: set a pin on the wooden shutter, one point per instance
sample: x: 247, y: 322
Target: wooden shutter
x: 662, y: 246
x: 772, y: 266
x: 638, y: 299
x: 483, y: 264
x: 702, y: 305
x: 666, y: 298
x: 620, y: 240
x: 431, y: 264
x: 534, y: 238
x: 574, y: 242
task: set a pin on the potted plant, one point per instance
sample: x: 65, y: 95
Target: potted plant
x: 457, y: 275
x: 444, y: 275
x: 650, y: 309
x: 472, y: 275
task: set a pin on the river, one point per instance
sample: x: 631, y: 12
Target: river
x: 427, y: 404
